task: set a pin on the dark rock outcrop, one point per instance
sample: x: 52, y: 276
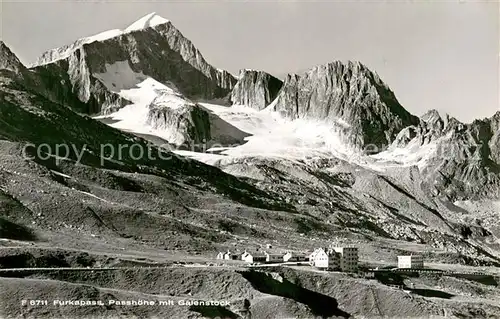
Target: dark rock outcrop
x: 188, y: 124
x: 256, y: 89
x: 347, y: 92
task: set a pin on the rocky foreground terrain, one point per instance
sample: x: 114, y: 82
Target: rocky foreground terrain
x: 239, y: 163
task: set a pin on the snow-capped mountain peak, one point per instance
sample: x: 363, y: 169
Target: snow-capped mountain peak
x: 148, y: 21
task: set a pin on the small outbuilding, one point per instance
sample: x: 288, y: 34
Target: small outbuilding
x: 411, y: 261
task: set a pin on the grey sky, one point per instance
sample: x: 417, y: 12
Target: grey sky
x: 442, y: 55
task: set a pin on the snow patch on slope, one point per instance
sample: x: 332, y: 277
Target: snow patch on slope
x: 208, y: 158
x: 245, y: 118
x: 275, y: 136
x: 119, y: 76
x: 484, y: 211
x: 413, y: 154
x: 295, y: 139
x: 476, y: 207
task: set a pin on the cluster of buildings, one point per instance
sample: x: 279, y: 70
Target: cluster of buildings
x: 333, y: 258
x: 262, y: 257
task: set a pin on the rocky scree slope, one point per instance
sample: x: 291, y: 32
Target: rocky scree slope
x: 344, y: 198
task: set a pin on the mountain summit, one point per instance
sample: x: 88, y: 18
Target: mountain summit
x: 148, y: 21
x: 150, y: 47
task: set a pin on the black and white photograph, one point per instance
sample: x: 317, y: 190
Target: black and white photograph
x: 249, y: 159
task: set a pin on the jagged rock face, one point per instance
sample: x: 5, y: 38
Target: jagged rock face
x: 465, y: 162
x: 255, y: 89
x: 84, y: 93
x: 348, y: 92
x: 56, y: 85
x: 430, y: 128
x: 159, y: 51
x: 8, y: 60
x: 495, y: 140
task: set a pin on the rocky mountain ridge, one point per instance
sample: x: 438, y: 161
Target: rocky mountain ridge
x: 348, y: 92
x: 9, y: 60
x: 347, y: 95
x: 461, y: 161
x: 466, y: 162
x: 103, y: 73
x: 159, y: 51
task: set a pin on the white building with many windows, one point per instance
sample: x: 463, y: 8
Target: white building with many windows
x: 411, y: 261
x: 348, y: 258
